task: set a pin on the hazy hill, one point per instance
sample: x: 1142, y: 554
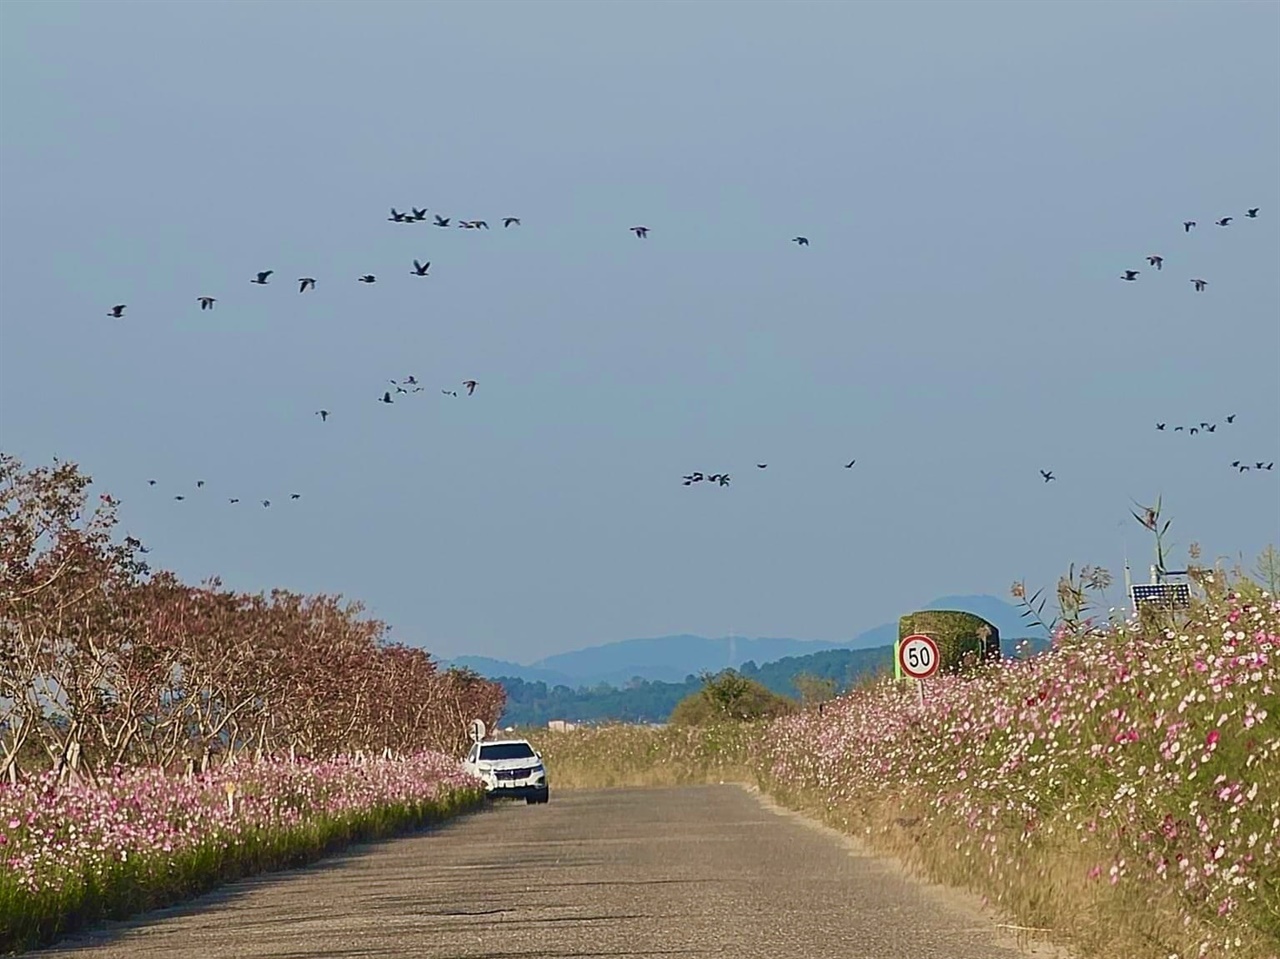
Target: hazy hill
x: 671, y: 659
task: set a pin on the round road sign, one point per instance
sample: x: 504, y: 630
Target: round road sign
x: 918, y: 656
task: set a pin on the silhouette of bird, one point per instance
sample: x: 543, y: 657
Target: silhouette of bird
x: 1242, y: 468
x: 411, y: 380
x: 179, y: 498
x: 761, y: 466
x: 199, y: 484
x: 304, y: 282
x: 151, y: 482
x: 441, y: 220
x: 266, y: 503
x: 1048, y: 475
x: 849, y: 465
x: 367, y: 278
x: 323, y: 414
x: 419, y: 214
x: 479, y: 224
x: 420, y: 269
x: 1200, y: 285
x: 117, y: 311
x: 396, y: 216
x: 1130, y: 275
x: 401, y: 389
x: 386, y: 397
x: 470, y: 385
x: 1187, y: 225
x: 1235, y: 462
x: 233, y: 500
x: 1176, y: 428
x: 1231, y: 418
x: 1193, y: 431
x: 1212, y: 427
x: 1269, y: 465
x: 1156, y: 261
x: 510, y: 221
x: 262, y: 277
x: 1161, y: 426
x: 295, y: 496
x: 640, y: 231
x: 801, y: 240
x: 1226, y: 220
x: 1252, y: 212
x: 206, y: 302
x: 449, y: 392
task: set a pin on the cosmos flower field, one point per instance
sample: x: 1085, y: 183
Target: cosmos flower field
x: 138, y: 839
x: 1119, y: 793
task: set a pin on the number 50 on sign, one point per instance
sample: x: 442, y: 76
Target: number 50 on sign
x: 918, y: 656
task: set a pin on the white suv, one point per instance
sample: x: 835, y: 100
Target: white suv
x: 510, y: 768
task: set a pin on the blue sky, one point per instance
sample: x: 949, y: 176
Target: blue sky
x: 973, y: 178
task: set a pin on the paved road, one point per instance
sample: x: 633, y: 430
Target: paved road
x: 700, y: 871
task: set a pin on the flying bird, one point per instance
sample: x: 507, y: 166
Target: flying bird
x: 179, y: 498
x: 1200, y: 285
x: 304, y: 282
x: 206, y: 302
x: 1176, y: 428
x: 449, y: 392
x: 470, y: 385
x: 266, y: 503
x: 419, y: 214
x: 801, y: 240
x: 1225, y: 221
x: 295, y: 496
x: 386, y: 397
x: 1130, y: 275
x: 117, y: 311
x: 396, y: 216
x: 234, y: 499
x: 510, y: 221
x: 1242, y: 468
x: 420, y: 269
x: 479, y: 224
x: 262, y: 277
x: 1231, y: 418
x: 151, y: 482
x: 411, y: 380
x: 640, y: 231
x: 441, y: 220
x: 761, y: 466
x: 1048, y: 475
x: 1156, y: 261
x: 1252, y: 212
x: 1187, y: 225
x: 849, y: 465
x: 1193, y: 431
x: 1161, y: 426
x: 323, y: 414
x: 199, y: 484
x: 367, y: 278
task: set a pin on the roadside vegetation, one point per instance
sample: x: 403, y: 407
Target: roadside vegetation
x: 157, y: 739
x: 1118, y: 793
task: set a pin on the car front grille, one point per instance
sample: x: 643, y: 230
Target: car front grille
x: 513, y: 773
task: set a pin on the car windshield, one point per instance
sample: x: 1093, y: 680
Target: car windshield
x: 506, y: 751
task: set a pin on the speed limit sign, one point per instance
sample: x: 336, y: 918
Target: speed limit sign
x: 918, y: 656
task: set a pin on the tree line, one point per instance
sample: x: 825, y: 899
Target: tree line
x: 104, y: 661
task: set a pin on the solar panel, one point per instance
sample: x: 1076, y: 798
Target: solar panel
x: 1168, y: 595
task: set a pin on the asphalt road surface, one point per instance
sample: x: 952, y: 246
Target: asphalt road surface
x: 699, y: 871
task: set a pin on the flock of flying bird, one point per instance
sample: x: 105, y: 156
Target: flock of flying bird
x: 410, y: 384
x: 1158, y: 262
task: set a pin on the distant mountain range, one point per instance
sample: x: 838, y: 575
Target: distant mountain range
x: 672, y: 659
